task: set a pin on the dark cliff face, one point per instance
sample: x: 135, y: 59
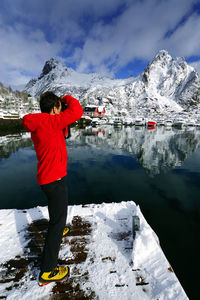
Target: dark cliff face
x: 48, y: 67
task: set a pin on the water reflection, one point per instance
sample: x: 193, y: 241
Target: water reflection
x: 157, y: 151
x: 11, y: 143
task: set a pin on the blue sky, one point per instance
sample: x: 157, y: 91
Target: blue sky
x: 117, y: 38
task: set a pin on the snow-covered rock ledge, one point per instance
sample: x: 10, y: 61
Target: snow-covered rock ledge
x: 105, y: 261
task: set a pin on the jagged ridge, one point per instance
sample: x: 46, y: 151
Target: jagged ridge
x: 166, y: 86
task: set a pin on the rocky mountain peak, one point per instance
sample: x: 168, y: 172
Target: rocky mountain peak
x: 164, y: 68
x: 167, y: 85
x: 49, y: 66
x: 162, y: 55
x: 162, y: 60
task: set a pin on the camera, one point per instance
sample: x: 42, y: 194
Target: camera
x: 63, y: 106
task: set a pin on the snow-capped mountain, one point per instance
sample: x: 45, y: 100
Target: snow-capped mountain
x: 167, y: 86
x: 57, y: 77
x: 172, y: 79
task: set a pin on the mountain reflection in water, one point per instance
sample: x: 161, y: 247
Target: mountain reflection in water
x: 157, y: 151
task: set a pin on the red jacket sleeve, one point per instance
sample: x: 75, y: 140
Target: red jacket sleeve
x: 72, y: 113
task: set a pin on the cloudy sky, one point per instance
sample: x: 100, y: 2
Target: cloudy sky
x: 112, y: 37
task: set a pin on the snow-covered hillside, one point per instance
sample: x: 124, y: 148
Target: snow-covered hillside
x: 55, y: 75
x: 15, y: 104
x: 167, y: 86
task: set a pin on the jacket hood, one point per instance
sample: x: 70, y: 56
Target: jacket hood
x: 32, y: 121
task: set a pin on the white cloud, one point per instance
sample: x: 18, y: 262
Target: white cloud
x: 137, y: 33
x: 23, y: 53
x: 185, y: 40
x: 65, y: 19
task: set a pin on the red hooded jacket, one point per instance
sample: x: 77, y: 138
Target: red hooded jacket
x: 49, y: 141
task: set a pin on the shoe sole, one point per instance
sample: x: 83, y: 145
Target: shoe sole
x: 45, y: 283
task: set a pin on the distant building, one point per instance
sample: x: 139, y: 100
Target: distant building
x: 94, y: 111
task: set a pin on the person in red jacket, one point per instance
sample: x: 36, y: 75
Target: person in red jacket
x: 48, y: 132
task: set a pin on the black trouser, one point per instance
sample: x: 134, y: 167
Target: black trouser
x: 57, y: 196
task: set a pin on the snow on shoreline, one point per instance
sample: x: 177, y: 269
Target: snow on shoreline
x: 115, y: 264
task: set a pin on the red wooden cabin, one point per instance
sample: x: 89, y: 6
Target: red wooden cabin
x: 94, y: 111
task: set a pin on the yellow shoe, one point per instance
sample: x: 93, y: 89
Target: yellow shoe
x: 58, y: 274
x: 66, y: 231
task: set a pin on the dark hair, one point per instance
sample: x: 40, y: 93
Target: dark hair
x: 47, y: 101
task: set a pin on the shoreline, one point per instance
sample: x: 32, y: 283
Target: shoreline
x: 15, y: 125
x: 11, y: 124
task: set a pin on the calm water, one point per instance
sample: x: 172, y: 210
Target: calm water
x: 158, y: 169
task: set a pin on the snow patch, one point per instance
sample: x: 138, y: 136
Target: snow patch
x: 115, y: 264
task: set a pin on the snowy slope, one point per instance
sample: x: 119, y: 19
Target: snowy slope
x: 16, y: 103
x: 55, y: 75
x: 106, y: 262
x: 166, y: 86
